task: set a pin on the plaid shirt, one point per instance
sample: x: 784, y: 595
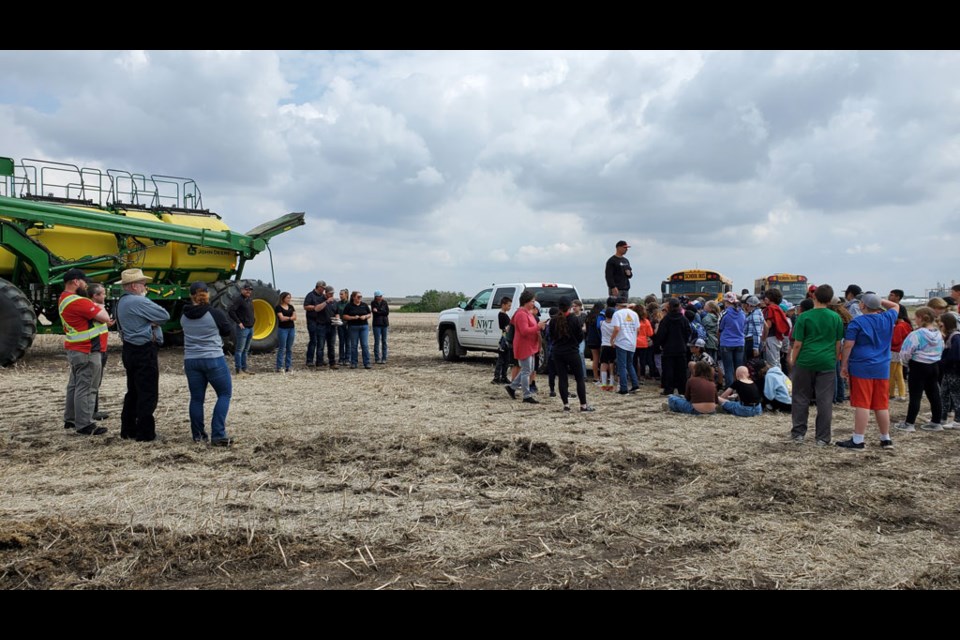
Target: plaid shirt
x: 754, y: 327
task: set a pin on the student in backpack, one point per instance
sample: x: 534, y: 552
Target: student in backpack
x: 505, y: 348
x: 775, y: 327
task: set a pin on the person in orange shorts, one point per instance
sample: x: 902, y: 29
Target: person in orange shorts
x: 866, y: 363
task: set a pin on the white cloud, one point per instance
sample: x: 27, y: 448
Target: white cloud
x: 858, y: 249
x: 506, y: 165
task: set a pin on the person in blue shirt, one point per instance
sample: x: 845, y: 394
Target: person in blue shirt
x: 731, y: 341
x: 140, y: 320
x: 866, y: 364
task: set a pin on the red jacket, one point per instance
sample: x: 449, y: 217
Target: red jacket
x: 900, y: 332
x: 526, y: 336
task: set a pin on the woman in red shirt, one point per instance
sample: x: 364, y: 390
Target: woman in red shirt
x: 526, y: 344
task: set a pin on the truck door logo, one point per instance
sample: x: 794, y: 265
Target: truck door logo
x: 480, y: 324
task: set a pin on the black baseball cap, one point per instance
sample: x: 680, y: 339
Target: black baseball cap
x: 198, y: 286
x: 854, y: 289
x: 247, y: 285
x: 623, y: 243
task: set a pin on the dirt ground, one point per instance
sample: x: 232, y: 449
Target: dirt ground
x: 421, y: 474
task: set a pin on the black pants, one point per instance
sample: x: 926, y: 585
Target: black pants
x: 140, y: 401
x: 569, y: 363
x: 674, y: 376
x: 776, y: 405
x: 923, y: 379
x: 502, y: 367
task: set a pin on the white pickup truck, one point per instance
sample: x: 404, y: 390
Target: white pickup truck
x: 473, y: 325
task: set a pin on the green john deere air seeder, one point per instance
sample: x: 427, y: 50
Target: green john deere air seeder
x: 56, y: 216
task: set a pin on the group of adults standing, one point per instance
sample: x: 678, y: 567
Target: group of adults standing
x: 345, y: 322
x: 139, y: 321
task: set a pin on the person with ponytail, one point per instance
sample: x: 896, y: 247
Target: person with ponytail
x: 566, y: 335
x: 204, y: 363
x: 922, y: 349
x: 286, y: 332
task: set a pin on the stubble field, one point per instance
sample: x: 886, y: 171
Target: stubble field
x: 422, y: 474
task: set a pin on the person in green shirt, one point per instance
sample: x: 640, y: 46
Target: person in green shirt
x: 813, y: 360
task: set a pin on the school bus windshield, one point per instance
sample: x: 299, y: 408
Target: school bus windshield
x: 711, y: 286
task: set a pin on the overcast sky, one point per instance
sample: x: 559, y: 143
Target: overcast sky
x: 455, y: 170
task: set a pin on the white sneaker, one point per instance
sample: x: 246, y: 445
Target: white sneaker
x: 951, y: 425
x: 932, y: 426
x: 903, y: 426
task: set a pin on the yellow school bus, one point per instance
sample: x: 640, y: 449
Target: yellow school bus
x: 696, y: 283
x: 793, y: 286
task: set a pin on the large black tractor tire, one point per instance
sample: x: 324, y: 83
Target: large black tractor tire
x: 266, y: 333
x: 18, y: 323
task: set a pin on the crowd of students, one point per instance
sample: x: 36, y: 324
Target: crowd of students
x: 746, y: 354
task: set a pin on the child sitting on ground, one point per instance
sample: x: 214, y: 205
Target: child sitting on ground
x: 748, y: 396
x: 700, y: 396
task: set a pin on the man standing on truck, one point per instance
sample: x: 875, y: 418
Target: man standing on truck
x: 140, y: 319
x: 618, y: 272
x: 84, y: 322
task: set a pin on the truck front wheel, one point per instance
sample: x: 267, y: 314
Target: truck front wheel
x: 450, y: 346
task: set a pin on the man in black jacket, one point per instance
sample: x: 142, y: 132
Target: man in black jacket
x: 673, y: 335
x: 618, y: 273
x: 241, y: 312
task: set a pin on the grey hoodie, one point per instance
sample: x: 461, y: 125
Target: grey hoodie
x: 203, y: 327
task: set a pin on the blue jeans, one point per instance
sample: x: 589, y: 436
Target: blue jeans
x: 360, y: 334
x: 742, y: 410
x: 244, y: 338
x: 200, y: 372
x: 285, y: 347
x: 625, y: 367
x: 326, y: 335
x: 840, y: 390
x: 682, y: 405
x: 314, y: 329
x: 380, y: 338
x: 523, y: 378
x: 731, y: 358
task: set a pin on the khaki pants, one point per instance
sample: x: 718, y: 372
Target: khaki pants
x: 897, y: 386
x: 81, y: 388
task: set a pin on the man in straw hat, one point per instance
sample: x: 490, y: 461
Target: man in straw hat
x: 139, y: 319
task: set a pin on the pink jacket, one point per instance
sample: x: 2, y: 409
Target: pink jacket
x: 526, y: 337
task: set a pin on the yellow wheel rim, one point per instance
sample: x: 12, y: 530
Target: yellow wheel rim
x: 265, y: 320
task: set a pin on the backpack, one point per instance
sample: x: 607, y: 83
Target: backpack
x: 506, y: 340
x: 778, y: 321
x: 699, y: 333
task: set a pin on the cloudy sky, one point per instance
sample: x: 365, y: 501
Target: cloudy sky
x: 454, y: 170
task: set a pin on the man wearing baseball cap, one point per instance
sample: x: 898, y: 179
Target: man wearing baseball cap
x: 618, y: 272
x: 866, y: 362
x: 83, y: 323
x: 852, y: 300
x: 140, y: 320
x: 241, y: 312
